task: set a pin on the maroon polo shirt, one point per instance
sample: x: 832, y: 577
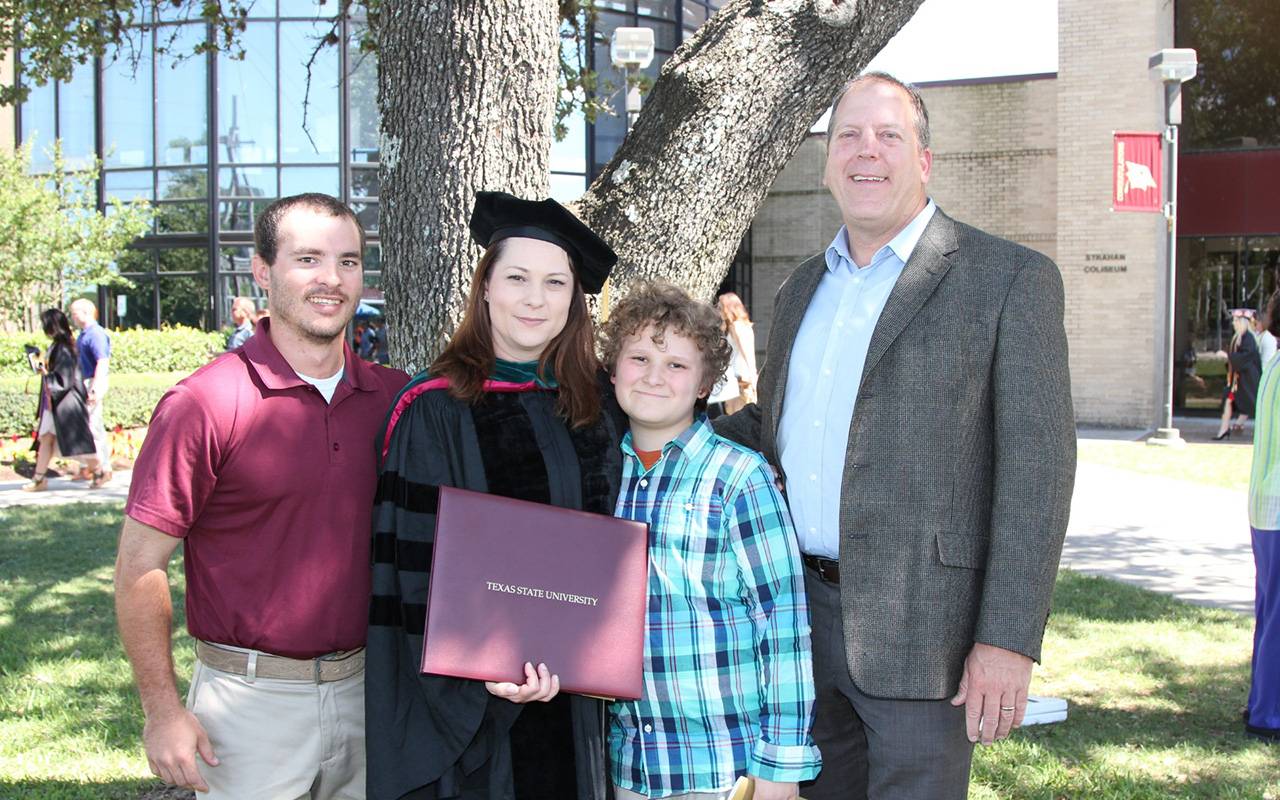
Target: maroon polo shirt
x: 272, y: 489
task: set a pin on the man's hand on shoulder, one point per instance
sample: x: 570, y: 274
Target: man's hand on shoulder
x: 769, y: 790
x: 172, y: 738
x: 993, y: 690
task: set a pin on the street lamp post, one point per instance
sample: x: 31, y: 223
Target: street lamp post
x: 631, y: 50
x: 1173, y: 67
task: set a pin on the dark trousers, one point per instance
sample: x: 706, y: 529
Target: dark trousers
x: 876, y: 749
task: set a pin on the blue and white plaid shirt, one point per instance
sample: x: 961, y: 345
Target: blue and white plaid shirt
x: 728, y: 678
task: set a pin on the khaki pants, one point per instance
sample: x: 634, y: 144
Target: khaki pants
x: 101, y: 441
x: 279, y: 739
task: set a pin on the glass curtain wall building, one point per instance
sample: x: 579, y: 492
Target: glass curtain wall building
x: 210, y: 140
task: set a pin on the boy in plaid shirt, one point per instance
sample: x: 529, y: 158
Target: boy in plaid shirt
x: 728, y: 681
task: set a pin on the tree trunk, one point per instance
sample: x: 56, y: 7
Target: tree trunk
x: 729, y: 110
x: 467, y: 92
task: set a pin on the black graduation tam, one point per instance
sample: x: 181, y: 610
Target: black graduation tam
x: 498, y: 215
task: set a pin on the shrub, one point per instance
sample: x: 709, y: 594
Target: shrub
x: 176, y: 349
x: 130, y: 401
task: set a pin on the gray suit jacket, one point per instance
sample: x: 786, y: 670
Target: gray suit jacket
x: 960, y: 462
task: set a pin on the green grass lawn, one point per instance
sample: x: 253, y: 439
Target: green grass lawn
x: 1224, y: 465
x: 70, y: 723
x: 1154, y: 685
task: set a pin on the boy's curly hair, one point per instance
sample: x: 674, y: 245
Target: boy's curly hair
x: 666, y: 306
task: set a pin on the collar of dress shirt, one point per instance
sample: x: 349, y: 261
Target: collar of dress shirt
x: 902, y: 245
x: 692, y: 441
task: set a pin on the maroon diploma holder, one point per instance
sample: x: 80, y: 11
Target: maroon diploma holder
x: 515, y: 582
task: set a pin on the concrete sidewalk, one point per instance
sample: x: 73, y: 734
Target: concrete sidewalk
x: 1172, y: 536
x: 64, y: 490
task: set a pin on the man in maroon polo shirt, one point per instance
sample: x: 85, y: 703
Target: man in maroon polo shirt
x: 262, y: 464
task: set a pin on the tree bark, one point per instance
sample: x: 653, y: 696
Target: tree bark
x: 467, y: 92
x: 728, y: 111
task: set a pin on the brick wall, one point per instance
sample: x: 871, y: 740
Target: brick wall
x: 1113, y: 318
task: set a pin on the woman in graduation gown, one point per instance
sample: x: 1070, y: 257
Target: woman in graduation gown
x: 514, y: 406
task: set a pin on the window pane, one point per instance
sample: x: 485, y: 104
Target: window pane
x: 183, y: 183
x: 694, y: 16
x: 664, y: 9
x: 132, y: 308
x: 239, y: 285
x: 185, y: 301
x: 132, y: 261
x: 362, y: 99
x: 238, y: 258
x: 364, y: 183
x: 319, y: 140
x: 129, y: 184
x: 296, y: 180
x: 184, y: 259
x: 247, y: 182
x: 75, y: 117
x: 247, y: 98
x: 262, y: 8
x: 367, y: 213
x: 182, y: 123
x: 182, y: 218
x: 239, y: 215
x: 570, y: 154
x: 566, y: 188
x: 373, y: 264
x: 127, y: 108
x: 306, y: 8
x: 38, y: 126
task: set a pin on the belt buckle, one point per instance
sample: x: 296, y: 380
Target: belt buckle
x: 315, y: 670
x: 826, y: 571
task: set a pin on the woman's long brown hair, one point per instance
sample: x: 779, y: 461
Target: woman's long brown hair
x: 468, y: 359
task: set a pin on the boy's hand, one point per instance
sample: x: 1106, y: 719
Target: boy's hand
x: 540, y: 686
x: 768, y: 790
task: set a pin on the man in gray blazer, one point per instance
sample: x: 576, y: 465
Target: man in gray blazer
x: 915, y: 397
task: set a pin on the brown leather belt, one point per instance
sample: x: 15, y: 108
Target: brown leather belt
x: 827, y: 568
x: 326, y: 668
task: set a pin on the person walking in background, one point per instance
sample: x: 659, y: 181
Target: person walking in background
x: 1262, y: 714
x: 63, y: 428
x: 94, y: 347
x: 737, y: 387
x: 242, y: 314
x: 1266, y: 339
x: 1244, y: 369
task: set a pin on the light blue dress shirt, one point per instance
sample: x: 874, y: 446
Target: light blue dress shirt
x: 822, y: 380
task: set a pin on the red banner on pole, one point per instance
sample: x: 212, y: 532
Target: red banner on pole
x: 1137, y: 183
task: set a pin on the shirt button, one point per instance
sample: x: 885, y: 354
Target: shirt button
x: 813, y: 530
x: 648, y: 729
x: 335, y: 446
x: 644, y: 483
x: 840, y: 324
x: 813, y: 476
x: 688, y: 506
x: 826, y: 372
x: 817, y: 423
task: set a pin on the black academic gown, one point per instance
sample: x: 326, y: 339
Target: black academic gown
x: 65, y: 390
x: 436, y: 737
x: 1246, y: 361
